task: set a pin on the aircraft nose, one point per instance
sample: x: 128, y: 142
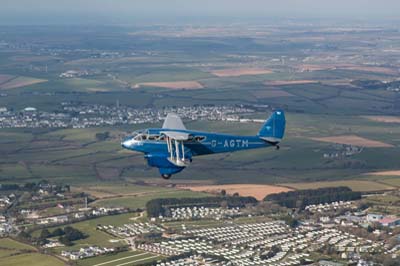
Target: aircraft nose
x: 123, y: 144
x: 126, y: 143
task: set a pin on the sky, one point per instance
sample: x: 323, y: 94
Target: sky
x: 125, y: 11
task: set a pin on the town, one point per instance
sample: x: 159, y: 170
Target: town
x: 84, y: 116
x: 220, y: 229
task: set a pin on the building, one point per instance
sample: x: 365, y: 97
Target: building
x: 30, y: 109
x: 329, y: 263
x: 373, y: 217
x: 390, y: 221
x: 53, y: 220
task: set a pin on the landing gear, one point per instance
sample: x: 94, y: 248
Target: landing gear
x: 277, y: 147
x: 165, y: 176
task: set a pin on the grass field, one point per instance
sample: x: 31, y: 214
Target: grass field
x: 354, y: 140
x: 385, y: 173
x: 112, y: 190
x: 20, y: 82
x: 33, y: 259
x: 237, y: 72
x: 96, y: 237
x: 356, y: 185
x: 395, y: 181
x: 13, y: 253
x: 120, y: 259
x: 384, y: 119
x: 176, y: 85
x: 389, y: 203
x: 140, y: 200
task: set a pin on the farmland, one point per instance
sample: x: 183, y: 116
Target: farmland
x: 18, y: 82
x: 354, y: 140
x: 257, y: 191
x: 339, y: 91
x: 237, y: 72
x: 177, y: 85
x: 355, y: 185
x: 385, y: 119
x: 76, y: 155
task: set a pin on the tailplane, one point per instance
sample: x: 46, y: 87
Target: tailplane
x: 274, y: 128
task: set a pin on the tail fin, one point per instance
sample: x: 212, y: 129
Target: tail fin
x: 274, y: 128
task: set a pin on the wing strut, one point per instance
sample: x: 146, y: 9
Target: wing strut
x: 176, y: 149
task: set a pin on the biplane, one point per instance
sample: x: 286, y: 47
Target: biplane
x: 172, y: 147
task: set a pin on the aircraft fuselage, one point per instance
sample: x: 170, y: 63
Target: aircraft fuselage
x: 202, y: 143
x: 171, y: 148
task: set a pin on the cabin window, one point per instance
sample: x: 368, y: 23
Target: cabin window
x: 200, y: 138
x: 152, y: 137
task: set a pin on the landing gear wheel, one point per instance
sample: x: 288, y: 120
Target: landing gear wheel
x: 165, y: 176
x: 277, y: 147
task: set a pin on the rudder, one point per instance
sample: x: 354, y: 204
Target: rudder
x: 273, y: 129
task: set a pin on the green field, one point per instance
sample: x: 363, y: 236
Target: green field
x: 387, y: 203
x: 123, y: 258
x: 135, y: 202
x: 96, y: 237
x: 355, y: 185
x: 395, y: 181
x: 13, y: 253
x: 102, y: 239
x: 34, y: 259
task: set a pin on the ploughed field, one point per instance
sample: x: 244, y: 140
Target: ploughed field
x: 254, y: 190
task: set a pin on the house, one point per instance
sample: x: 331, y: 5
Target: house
x: 329, y: 263
x: 79, y: 215
x: 372, y: 217
x: 54, y: 219
x: 390, y: 221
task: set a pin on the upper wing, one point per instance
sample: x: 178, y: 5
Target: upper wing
x: 173, y: 121
x: 176, y: 135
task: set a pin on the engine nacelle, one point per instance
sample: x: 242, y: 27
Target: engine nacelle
x: 170, y: 171
x: 160, y: 160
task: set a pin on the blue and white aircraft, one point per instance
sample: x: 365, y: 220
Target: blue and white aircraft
x: 172, y: 147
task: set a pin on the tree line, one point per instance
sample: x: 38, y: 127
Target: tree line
x: 301, y: 198
x: 157, y: 207
x: 65, y: 236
